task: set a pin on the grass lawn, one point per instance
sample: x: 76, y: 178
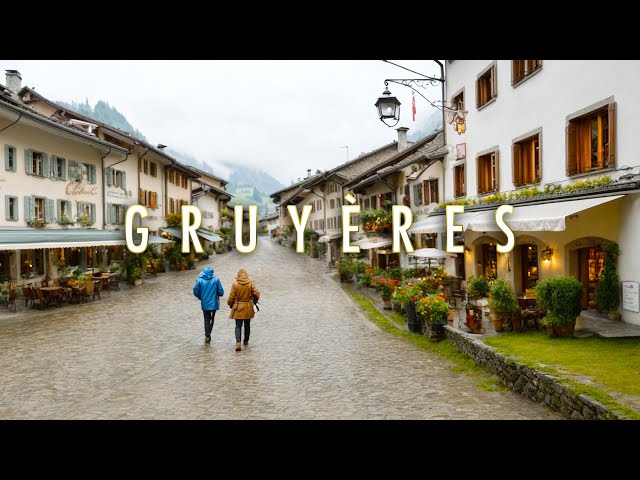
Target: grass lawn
x: 606, y: 369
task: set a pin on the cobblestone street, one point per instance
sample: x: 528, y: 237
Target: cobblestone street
x: 312, y: 355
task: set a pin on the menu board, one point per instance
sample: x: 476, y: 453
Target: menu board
x: 631, y: 296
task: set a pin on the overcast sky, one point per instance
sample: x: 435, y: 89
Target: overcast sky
x: 280, y: 116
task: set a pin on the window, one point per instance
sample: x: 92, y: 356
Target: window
x: 143, y: 197
x: 387, y: 199
x: 319, y: 204
x: 459, y: 188
x: 88, y: 172
x: 10, y: 158
x: 38, y: 208
x: 520, y: 69
x: 153, y: 169
x: 488, y: 173
x: 486, y: 89
x: 489, y: 261
x: 145, y: 166
x: 64, y: 209
x: 417, y: 194
x: 185, y: 182
x: 38, y: 163
x: 428, y: 240
x: 58, y: 168
x: 591, y: 140
x: 115, y: 213
x: 11, y: 207
x: 332, y: 204
x: 526, y: 161
x: 430, y: 191
x: 32, y: 262
x: 170, y: 175
x: 153, y: 200
x: 88, y: 210
x: 367, y: 204
x: 116, y: 178
x: 457, y: 102
x: 374, y: 204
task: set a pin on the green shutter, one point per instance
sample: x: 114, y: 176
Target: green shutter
x: 123, y: 180
x: 28, y: 161
x: 53, y: 170
x: 6, y: 206
x: 59, y: 210
x: 45, y: 165
x: 6, y: 158
x: 63, y: 172
x: 69, y: 209
x: 49, y: 210
x: 107, y: 173
x: 93, y: 212
x: 92, y: 174
x: 28, y: 208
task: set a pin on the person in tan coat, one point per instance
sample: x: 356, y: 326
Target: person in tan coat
x: 243, y: 294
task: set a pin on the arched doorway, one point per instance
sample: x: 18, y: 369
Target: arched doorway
x: 486, y: 256
x: 526, y: 263
x: 586, y: 260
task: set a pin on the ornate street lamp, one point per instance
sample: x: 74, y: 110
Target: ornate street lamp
x: 388, y: 107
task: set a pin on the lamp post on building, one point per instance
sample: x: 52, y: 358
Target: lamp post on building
x: 389, y: 106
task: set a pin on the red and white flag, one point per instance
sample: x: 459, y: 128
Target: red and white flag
x: 413, y: 106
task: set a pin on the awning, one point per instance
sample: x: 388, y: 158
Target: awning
x: 368, y: 243
x: 28, y: 238
x: 206, y: 234
x: 209, y: 235
x: 546, y: 217
x: 154, y: 239
x: 327, y: 238
x: 431, y: 224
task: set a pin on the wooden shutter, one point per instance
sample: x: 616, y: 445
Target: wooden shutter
x: 611, y: 160
x: 49, y: 210
x: 517, y: 164
x: 494, y: 83
x: 426, y: 191
x: 53, y: 167
x: 495, y: 172
x: 109, y: 176
x: 478, y: 103
x: 28, y: 161
x: 572, y: 158
x: 479, y: 175
x: 28, y: 208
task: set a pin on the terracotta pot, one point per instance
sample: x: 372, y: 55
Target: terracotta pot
x: 387, y: 303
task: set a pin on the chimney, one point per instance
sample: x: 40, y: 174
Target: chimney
x: 13, y: 81
x: 402, y: 138
x: 308, y: 172
x: 161, y: 146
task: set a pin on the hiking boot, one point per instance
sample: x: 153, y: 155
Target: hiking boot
x: 246, y: 342
x: 238, y: 348
x: 207, y: 339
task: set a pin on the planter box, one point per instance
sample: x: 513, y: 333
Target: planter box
x: 137, y: 282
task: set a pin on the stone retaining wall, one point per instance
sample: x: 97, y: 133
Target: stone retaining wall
x: 536, y: 385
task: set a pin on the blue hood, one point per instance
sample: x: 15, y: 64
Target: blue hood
x: 206, y: 274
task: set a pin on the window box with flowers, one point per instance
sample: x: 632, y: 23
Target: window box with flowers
x: 36, y: 223
x: 377, y: 222
x: 65, y: 221
x: 85, y: 220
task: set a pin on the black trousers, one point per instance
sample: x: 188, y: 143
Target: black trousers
x: 247, y: 329
x: 209, y: 316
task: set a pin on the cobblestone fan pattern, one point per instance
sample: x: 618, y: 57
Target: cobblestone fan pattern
x: 312, y: 355
x: 536, y: 385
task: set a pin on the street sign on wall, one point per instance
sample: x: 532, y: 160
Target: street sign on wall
x: 631, y: 296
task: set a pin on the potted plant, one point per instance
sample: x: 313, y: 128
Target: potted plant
x: 387, y: 286
x: 561, y: 298
x: 478, y: 286
x: 135, y: 275
x: 65, y: 221
x: 503, y: 304
x: 608, y: 288
x: 434, y: 310
x: 407, y: 295
x: 85, y: 220
x: 346, y: 267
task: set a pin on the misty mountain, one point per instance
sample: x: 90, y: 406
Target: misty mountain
x: 242, y: 176
x: 431, y: 123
